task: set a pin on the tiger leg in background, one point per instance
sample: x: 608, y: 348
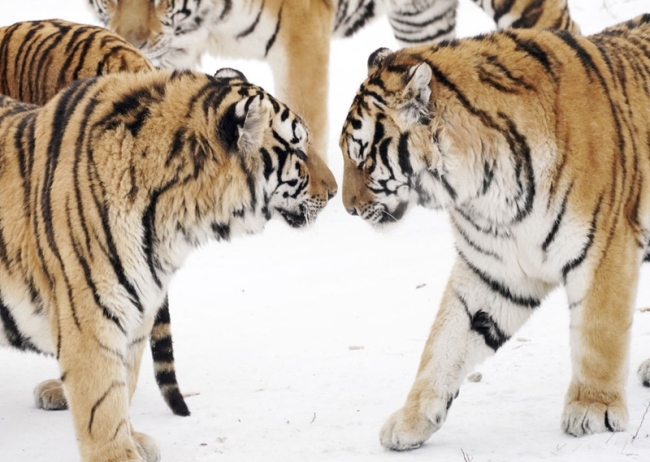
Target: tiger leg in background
x: 600, y: 295
x: 300, y: 63
x: 471, y: 325
x: 530, y: 14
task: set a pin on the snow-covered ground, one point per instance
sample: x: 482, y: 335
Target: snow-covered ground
x: 295, y: 346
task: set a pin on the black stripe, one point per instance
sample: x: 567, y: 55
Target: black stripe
x: 21, y: 76
x: 89, y: 278
x: 520, y: 149
x: 471, y: 243
x: 271, y: 40
x: 100, y: 401
x: 574, y: 263
x: 166, y: 378
x: 502, y: 9
x: 499, y: 288
x: 404, y: 155
x: 429, y: 38
x: 394, y: 18
x: 111, y: 250
x: 252, y: 27
x: 485, y: 325
x: 532, y: 49
x: 15, y: 338
x: 150, y: 238
x: 558, y: 220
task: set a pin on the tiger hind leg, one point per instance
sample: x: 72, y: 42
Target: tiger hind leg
x: 601, y: 317
x: 644, y: 373
x: 49, y: 395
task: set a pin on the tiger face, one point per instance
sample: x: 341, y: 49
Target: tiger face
x: 386, y: 143
x: 276, y: 146
x: 163, y: 29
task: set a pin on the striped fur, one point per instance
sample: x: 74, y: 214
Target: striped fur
x: 39, y: 58
x: 105, y: 190
x: 537, y: 145
x: 294, y: 35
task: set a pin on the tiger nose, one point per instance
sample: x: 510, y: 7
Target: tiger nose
x: 331, y: 194
x: 353, y: 211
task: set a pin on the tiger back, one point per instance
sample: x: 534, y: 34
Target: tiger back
x: 536, y: 144
x: 39, y: 58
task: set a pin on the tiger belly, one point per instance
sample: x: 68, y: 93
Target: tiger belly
x: 24, y: 325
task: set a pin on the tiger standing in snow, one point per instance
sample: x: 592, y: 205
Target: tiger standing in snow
x: 537, y: 143
x: 104, y: 192
x: 294, y: 35
x: 37, y: 60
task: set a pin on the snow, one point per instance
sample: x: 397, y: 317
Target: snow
x: 295, y: 346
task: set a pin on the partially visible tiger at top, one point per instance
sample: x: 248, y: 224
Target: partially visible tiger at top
x: 294, y: 35
x: 37, y: 59
x: 537, y: 143
x: 104, y: 192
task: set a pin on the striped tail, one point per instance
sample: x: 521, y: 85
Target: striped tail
x: 162, y: 351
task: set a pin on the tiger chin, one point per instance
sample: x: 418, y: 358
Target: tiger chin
x: 106, y: 189
x: 535, y: 144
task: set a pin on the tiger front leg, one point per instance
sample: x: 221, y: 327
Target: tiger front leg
x: 474, y: 320
x: 601, y: 317
x: 300, y: 63
x: 94, y: 363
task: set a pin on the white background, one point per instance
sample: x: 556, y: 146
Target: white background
x: 295, y: 346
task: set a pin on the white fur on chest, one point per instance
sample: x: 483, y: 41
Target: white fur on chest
x: 516, y: 254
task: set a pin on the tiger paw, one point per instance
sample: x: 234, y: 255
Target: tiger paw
x: 49, y: 395
x: 584, y: 418
x: 408, y: 428
x: 147, y: 447
x: 644, y: 373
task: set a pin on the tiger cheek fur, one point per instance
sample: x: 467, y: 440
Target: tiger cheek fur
x: 537, y: 156
x: 115, y: 181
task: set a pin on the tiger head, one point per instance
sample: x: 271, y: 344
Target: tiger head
x: 167, y: 31
x: 425, y: 129
x: 386, y: 140
x: 275, y: 147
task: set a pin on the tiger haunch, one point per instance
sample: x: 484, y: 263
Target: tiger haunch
x: 106, y: 189
x: 534, y: 142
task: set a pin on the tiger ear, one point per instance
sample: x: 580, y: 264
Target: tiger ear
x: 229, y: 73
x: 376, y: 58
x: 417, y: 94
x: 244, y: 124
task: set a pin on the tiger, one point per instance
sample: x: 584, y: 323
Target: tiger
x: 31, y: 53
x: 294, y: 35
x: 105, y: 191
x: 536, y: 144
